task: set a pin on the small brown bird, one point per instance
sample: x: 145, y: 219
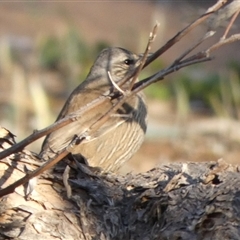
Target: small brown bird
x: 122, y: 134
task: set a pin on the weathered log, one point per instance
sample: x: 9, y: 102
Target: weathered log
x: 174, y: 201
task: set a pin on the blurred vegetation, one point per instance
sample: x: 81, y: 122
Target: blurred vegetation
x: 70, y: 54
x: 195, y: 91
x: 216, y: 93
x: 34, y: 93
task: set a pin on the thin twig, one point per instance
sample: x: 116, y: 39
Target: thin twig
x: 178, y: 60
x: 50, y: 163
x: 234, y: 17
x: 35, y: 173
x: 128, y: 93
x: 38, y: 134
x: 139, y: 86
x: 185, y: 31
x: 151, y: 39
x: 179, y: 63
x: 59, y: 124
x: 136, y: 71
x: 233, y: 38
x: 65, y: 181
x: 223, y: 14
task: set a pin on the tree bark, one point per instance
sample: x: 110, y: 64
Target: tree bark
x: 173, y: 201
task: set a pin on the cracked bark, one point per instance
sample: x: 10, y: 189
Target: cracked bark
x: 173, y: 201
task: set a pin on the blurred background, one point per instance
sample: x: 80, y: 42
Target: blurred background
x: 47, y: 48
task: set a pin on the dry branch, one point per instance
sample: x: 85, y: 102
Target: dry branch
x: 179, y: 201
x: 179, y: 63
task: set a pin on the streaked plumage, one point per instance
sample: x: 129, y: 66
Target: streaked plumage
x: 120, y: 137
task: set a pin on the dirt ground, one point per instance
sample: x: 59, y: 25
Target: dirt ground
x: 197, y: 139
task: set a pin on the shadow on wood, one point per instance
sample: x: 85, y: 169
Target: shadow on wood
x: 174, y: 201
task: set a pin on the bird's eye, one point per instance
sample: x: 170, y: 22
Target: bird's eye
x: 129, y: 61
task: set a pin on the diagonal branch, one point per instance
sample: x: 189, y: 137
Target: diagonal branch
x: 59, y: 124
x: 43, y: 168
x: 179, y: 63
x: 185, y: 31
x: 151, y: 39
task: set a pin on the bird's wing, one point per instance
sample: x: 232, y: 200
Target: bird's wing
x: 107, y: 127
x: 61, y: 138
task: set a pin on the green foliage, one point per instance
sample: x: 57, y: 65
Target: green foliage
x: 69, y: 54
x: 72, y: 57
x: 50, y: 53
x: 159, y: 91
x: 199, y: 88
x: 217, y: 92
x: 227, y: 102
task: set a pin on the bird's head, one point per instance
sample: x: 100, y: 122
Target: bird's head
x: 115, y: 63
